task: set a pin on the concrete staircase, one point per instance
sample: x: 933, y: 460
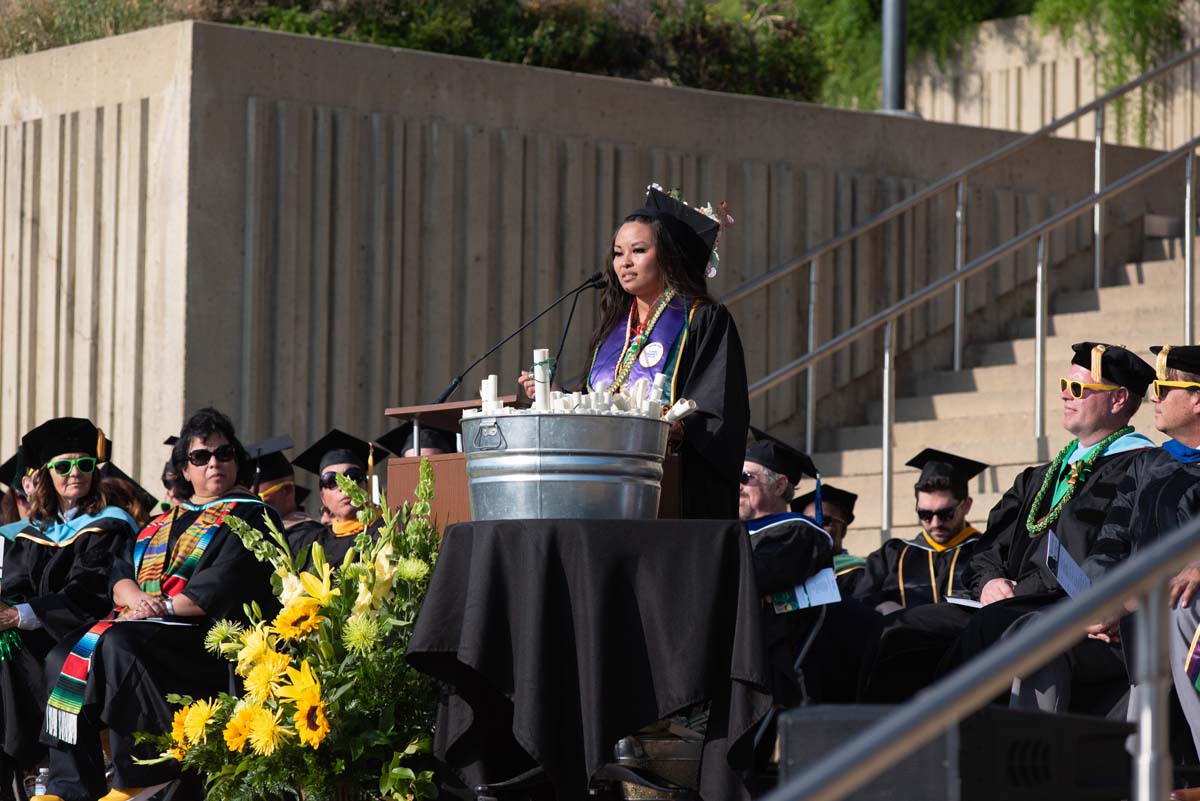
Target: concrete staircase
x: 986, y: 411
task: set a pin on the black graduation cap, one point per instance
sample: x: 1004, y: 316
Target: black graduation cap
x: 171, y: 440
x: 1114, y: 364
x: 400, y: 439
x: 65, y: 435
x: 267, y: 459
x: 695, y: 231
x: 10, y: 470
x: 301, y: 494
x: 338, y: 447
x: 842, y: 499
x: 1178, y: 357
x: 938, y: 464
x: 775, y: 454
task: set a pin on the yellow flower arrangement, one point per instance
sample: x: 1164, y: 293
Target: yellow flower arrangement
x: 237, y: 730
x: 199, y: 715
x: 178, y: 734
x: 298, y: 618
x: 266, y: 732
x: 255, y: 642
x: 319, y: 588
x: 266, y: 676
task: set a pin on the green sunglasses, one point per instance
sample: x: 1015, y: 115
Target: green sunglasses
x: 63, y: 467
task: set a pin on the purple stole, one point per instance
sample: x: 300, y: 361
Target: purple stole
x: 660, y: 353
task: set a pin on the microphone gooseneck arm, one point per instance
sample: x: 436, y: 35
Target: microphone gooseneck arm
x: 594, y: 281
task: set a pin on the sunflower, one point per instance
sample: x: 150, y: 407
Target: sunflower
x: 310, y: 720
x: 237, y: 730
x: 318, y: 588
x: 266, y: 675
x: 298, y: 618
x: 255, y: 643
x: 265, y: 732
x: 195, y: 724
x: 304, y: 683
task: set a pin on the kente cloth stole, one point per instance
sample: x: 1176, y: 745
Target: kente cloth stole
x: 149, y: 559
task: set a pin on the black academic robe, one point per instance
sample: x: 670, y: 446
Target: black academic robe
x: 167, y: 658
x: 67, y: 588
x: 712, y: 372
x: 911, y: 573
x: 1156, y: 495
x: 1007, y: 550
x: 302, y: 536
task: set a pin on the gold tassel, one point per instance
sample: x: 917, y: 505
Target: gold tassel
x: 1098, y: 363
x: 101, y: 451
x: 1160, y: 366
x: 370, y: 460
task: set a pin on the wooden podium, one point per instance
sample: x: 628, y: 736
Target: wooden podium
x: 451, y: 502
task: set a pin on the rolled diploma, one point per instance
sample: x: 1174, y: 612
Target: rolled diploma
x: 680, y: 410
x: 541, y: 379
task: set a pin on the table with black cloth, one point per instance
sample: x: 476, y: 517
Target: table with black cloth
x: 558, y: 637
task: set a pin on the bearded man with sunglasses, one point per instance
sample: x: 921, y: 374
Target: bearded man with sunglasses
x: 337, y: 453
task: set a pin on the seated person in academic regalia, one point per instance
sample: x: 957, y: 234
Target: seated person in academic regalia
x: 274, y: 481
x: 186, y: 570
x: 928, y: 568
x: 170, y: 479
x: 793, y: 567
x: 836, y: 515
x: 434, y: 441
x: 1065, y: 500
x: 339, y: 453
x: 56, y: 565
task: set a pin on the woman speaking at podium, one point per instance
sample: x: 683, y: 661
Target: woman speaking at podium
x: 656, y: 316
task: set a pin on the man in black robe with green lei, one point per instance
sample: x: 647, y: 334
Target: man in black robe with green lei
x: 1008, y: 573
x: 1159, y: 492
x: 1064, y: 502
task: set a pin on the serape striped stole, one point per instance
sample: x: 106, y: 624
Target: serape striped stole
x: 156, y: 575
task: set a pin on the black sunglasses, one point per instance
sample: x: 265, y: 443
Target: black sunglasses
x: 355, y: 474
x: 86, y: 465
x: 927, y: 515
x: 202, y: 456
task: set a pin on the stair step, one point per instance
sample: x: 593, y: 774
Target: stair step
x: 957, y: 405
x: 969, y: 379
x: 996, y: 479
x: 1058, y: 348
x: 1133, y: 325
x: 1150, y: 297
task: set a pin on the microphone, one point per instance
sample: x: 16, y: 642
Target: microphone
x: 594, y: 281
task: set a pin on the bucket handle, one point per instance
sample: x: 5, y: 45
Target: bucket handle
x: 489, y: 437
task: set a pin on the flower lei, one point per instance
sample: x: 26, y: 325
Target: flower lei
x: 1079, y: 472
x: 625, y: 362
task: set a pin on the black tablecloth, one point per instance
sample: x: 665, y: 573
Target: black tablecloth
x: 558, y: 637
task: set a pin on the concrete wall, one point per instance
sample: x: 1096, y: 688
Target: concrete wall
x: 1012, y: 76
x: 306, y: 231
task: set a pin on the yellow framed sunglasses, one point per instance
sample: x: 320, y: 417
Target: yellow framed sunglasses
x: 1077, y: 387
x: 1159, y: 388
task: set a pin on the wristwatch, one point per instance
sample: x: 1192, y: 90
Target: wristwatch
x: 170, y: 607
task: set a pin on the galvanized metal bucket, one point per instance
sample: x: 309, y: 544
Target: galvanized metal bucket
x: 542, y: 466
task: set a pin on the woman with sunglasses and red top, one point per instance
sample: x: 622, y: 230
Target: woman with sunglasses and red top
x: 185, y: 570
x: 56, y: 567
x: 338, y: 453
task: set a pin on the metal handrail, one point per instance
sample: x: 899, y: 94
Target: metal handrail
x: 887, y: 317
x: 969, y: 270
x: 958, y: 179
x: 977, y: 682
x: 953, y: 178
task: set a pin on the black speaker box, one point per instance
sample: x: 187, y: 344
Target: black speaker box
x: 997, y: 754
